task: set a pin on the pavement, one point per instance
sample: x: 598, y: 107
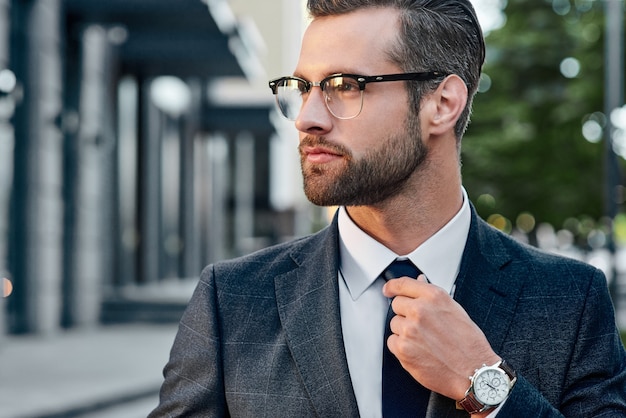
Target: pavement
x: 111, y: 371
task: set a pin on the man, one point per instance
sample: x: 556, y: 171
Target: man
x: 381, y: 96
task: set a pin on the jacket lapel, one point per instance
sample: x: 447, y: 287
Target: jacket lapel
x: 489, y: 281
x: 308, y: 305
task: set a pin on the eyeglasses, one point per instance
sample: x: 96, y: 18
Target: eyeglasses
x: 343, y: 93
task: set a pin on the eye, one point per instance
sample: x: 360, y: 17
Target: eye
x: 294, y: 84
x: 342, y: 85
x: 302, y: 87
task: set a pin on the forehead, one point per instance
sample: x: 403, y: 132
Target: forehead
x: 357, y: 41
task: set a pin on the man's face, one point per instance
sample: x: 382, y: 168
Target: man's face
x: 360, y: 161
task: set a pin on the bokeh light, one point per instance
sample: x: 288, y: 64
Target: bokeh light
x: 487, y: 201
x: 8, y: 81
x: 500, y: 222
x: 619, y: 228
x: 570, y: 67
x: 525, y: 222
x: 7, y: 287
x: 561, y: 7
x: 592, y: 131
x: 484, y: 84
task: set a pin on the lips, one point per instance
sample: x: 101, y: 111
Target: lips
x: 319, y: 154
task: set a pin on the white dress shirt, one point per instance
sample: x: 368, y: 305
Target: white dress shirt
x: 364, y: 307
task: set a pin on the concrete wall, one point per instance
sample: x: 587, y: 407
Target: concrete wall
x: 281, y: 24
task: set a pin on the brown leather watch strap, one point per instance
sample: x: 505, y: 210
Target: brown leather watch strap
x: 508, y: 370
x: 470, y: 404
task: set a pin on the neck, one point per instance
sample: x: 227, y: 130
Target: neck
x: 403, y: 222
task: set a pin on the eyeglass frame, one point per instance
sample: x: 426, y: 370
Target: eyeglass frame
x: 362, y: 81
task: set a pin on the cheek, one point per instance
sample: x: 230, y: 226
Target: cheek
x: 374, y: 129
x: 389, y: 107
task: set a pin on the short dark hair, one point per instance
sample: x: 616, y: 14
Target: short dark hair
x: 436, y: 35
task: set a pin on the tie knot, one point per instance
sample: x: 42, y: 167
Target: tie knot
x: 400, y: 268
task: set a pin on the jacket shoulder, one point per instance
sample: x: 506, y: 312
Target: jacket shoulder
x: 277, y: 259
x: 498, y: 245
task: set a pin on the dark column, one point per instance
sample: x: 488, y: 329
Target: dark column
x: 244, y: 193
x: 36, y: 203
x: 189, y: 226
x: 7, y: 141
x: 127, y: 176
x: 149, y: 212
x: 213, y: 153
x: 90, y: 225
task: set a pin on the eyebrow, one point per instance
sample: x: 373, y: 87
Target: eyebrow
x: 329, y: 73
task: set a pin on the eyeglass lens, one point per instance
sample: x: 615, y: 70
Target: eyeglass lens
x: 343, y: 96
x: 289, y: 97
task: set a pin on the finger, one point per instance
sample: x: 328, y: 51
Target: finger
x: 403, y: 338
x: 404, y: 286
x: 392, y: 343
x: 398, y: 324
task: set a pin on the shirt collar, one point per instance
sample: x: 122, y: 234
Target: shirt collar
x: 363, y: 258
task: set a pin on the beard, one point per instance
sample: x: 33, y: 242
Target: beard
x: 382, y: 173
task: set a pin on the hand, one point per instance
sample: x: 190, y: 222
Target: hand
x: 434, y: 338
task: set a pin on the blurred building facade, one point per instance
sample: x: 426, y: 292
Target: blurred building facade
x: 138, y: 142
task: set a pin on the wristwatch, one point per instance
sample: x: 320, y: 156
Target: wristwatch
x: 489, y: 387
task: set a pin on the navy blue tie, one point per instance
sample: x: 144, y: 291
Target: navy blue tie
x: 403, y: 396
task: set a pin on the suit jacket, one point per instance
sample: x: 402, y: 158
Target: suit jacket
x: 262, y: 336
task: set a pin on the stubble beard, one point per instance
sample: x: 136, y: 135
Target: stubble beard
x: 381, y: 174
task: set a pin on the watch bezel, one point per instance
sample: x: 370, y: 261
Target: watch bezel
x: 476, y: 380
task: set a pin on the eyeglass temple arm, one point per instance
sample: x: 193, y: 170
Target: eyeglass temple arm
x: 430, y: 75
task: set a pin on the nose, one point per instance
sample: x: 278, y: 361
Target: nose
x: 314, y: 116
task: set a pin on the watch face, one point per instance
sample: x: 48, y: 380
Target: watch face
x: 491, y: 386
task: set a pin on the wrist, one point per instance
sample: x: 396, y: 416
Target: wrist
x: 465, y: 379
x: 489, y: 387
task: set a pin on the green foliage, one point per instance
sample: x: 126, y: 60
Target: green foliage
x: 525, y: 145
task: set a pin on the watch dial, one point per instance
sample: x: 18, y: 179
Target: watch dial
x: 491, y: 387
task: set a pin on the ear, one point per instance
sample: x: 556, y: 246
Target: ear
x: 446, y: 104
